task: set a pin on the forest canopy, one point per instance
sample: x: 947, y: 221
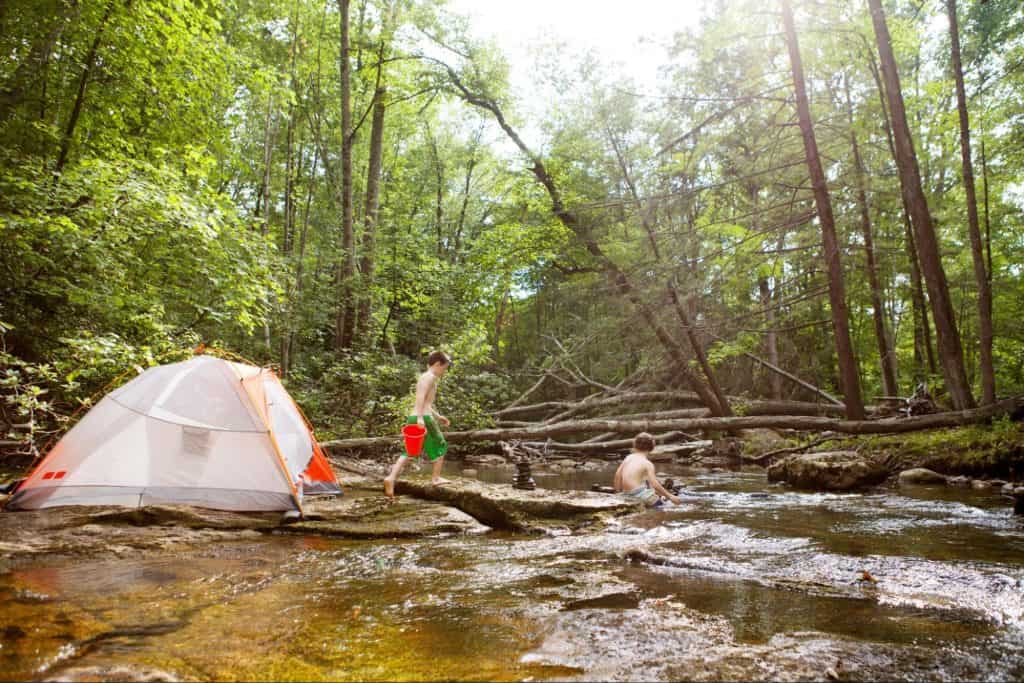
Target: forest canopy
x: 832, y: 189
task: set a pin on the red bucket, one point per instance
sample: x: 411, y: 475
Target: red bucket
x: 414, y: 435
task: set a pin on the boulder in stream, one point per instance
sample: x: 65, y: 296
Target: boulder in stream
x: 921, y: 475
x: 503, y: 507
x: 829, y: 471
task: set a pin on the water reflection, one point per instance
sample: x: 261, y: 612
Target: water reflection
x: 743, y: 581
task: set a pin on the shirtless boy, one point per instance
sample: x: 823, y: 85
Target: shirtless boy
x: 635, y: 479
x: 434, y: 445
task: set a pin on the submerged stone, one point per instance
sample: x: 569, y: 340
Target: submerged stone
x: 921, y: 475
x: 828, y: 471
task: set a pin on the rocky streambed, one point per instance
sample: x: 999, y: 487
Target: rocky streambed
x: 744, y: 580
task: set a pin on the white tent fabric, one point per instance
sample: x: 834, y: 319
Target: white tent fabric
x: 185, y: 433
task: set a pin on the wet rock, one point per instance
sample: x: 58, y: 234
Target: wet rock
x: 484, y: 459
x: 996, y: 483
x: 1018, y: 505
x: 183, y: 516
x: 116, y: 673
x: 959, y: 481
x: 1007, y: 489
x: 378, y: 518
x: 828, y: 471
x: 469, y: 472
x: 503, y: 507
x: 921, y: 475
x: 979, y: 484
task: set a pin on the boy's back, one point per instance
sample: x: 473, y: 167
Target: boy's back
x: 634, y: 471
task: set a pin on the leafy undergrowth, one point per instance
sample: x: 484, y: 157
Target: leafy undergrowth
x: 995, y: 449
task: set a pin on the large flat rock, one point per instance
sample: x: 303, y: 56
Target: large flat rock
x: 829, y: 471
x: 503, y: 507
x: 77, y: 531
x: 376, y: 517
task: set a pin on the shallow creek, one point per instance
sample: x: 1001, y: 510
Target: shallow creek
x: 742, y: 581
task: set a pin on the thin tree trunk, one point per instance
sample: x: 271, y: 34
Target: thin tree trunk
x: 370, y: 214
x: 698, y: 350
x: 830, y: 243
x: 886, y: 355
x: 83, y: 82
x: 771, y: 337
x: 922, y: 329
x: 950, y: 351
x: 345, y: 323
x: 264, y: 195
x: 988, y: 377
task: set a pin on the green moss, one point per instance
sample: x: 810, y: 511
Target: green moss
x: 991, y: 449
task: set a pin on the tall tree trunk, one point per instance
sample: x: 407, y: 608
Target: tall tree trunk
x: 922, y: 329
x: 371, y: 214
x: 345, y: 323
x: 886, y: 354
x: 83, y: 82
x: 950, y: 351
x: 771, y: 338
x: 988, y: 377
x: 830, y: 244
x: 263, y: 198
x: 438, y: 193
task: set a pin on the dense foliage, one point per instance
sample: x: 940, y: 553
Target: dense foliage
x: 173, y: 172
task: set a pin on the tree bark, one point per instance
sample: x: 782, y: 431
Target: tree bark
x: 345, y: 323
x: 830, y: 243
x: 950, y: 351
x: 988, y: 377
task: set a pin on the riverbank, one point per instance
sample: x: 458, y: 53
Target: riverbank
x: 993, y: 450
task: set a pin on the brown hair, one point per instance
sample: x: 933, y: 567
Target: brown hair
x: 643, y: 442
x: 438, y: 357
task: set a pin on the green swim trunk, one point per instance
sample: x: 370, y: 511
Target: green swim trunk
x: 434, y: 444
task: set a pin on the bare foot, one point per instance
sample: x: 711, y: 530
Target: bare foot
x: 389, y: 487
x: 440, y: 480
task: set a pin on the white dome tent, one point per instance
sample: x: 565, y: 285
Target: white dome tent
x: 206, y: 432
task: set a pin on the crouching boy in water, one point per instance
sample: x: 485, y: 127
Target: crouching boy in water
x: 635, y: 479
x: 434, y: 445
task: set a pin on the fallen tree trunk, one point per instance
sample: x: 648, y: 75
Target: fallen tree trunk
x: 630, y: 397
x: 620, y: 445
x: 797, y: 422
x: 745, y: 406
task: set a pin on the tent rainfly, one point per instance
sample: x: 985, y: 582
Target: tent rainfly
x: 206, y: 432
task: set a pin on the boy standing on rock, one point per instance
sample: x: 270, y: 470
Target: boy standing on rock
x: 635, y: 479
x: 434, y: 444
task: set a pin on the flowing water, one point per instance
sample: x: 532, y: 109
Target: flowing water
x: 742, y: 581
